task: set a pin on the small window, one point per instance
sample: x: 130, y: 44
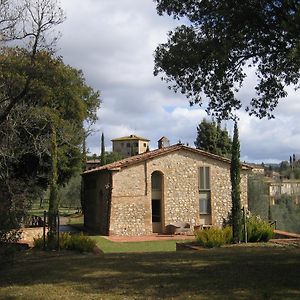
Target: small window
x: 204, y: 178
x: 145, y: 144
x: 128, y: 145
x: 136, y: 144
x: 204, y: 190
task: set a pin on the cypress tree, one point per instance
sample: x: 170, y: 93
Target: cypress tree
x: 102, y: 157
x: 235, y: 186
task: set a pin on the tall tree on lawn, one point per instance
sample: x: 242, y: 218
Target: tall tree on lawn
x: 235, y: 186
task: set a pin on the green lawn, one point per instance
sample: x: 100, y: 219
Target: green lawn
x: 152, y: 246
x: 226, y: 273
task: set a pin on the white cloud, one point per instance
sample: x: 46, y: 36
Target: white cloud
x: 113, y: 42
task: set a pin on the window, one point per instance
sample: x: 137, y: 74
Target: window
x: 145, y: 144
x: 156, y: 181
x: 128, y: 145
x: 204, y: 203
x: 136, y: 144
x: 204, y: 178
x: 204, y: 190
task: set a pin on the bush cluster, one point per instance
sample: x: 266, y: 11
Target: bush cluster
x: 258, y: 230
x: 67, y: 241
x: 214, y: 237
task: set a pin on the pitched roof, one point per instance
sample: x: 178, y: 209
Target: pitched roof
x: 131, y: 137
x: 156, y: 153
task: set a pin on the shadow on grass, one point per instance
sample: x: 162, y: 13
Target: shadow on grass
x: 210, y: 274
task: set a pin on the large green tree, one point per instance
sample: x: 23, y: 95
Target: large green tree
x: 209, y: 53
x: 41, y: 139
x: 212, y: 138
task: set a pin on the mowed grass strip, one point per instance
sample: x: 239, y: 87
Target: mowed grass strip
x: 108, y: 246
x: 226, y: 273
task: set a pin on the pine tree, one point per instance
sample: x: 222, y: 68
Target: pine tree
x: 235, y: 186
x: 212, y: 138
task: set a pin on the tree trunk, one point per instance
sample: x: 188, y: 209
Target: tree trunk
x: 53, y: 201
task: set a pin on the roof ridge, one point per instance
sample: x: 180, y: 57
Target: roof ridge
x: 130, y: 137
x: 158, y: 152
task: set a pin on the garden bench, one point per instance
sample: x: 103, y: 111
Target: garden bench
x: 178, y: 228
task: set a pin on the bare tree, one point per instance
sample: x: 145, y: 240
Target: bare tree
x: 10, y: 16
x: 33, y: 22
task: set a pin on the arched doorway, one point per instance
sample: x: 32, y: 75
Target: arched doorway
x: 157, y: 201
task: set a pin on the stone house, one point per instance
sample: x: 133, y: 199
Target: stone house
x: 277, y: 188
x: 143, y: 194
x: 130, y: 145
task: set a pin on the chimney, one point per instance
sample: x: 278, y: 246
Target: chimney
x: 163, y: 142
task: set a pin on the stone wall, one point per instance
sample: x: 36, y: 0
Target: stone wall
x: 131, y: 203
x: 131, y: 194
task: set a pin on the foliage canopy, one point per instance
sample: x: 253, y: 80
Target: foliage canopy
x: 212, y: 138
x: 207, y: 55
x: 58, y: 100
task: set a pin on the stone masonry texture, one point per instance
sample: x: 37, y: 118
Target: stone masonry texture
x: 124, y: 207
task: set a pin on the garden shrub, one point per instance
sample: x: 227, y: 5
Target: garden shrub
x: 258, y: 230
x: 81, y: 243
x: 78, y: 242
x: 214, y: 237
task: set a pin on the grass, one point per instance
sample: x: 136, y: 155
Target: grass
x: 114, y: 247
x: 76, y: 219
x: 225, y: 273
x: 62, y: 211
x: 150, y: 246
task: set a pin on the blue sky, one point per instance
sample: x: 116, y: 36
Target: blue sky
x: 113, y: 42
